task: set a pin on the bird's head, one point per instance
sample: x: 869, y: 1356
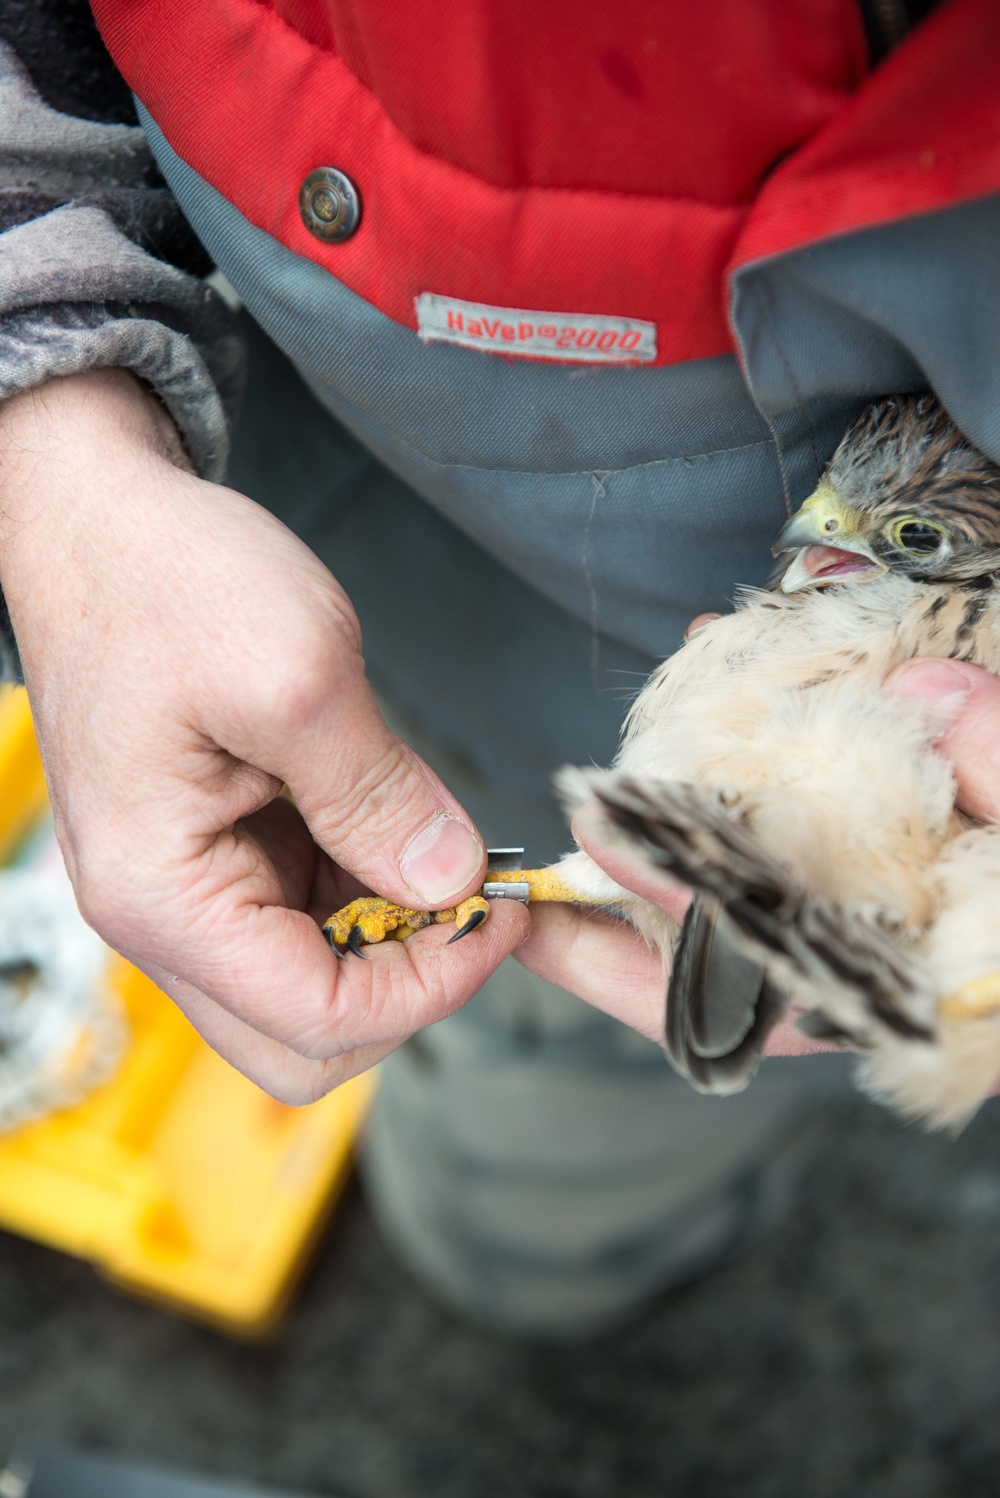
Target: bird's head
x: 905, y: 492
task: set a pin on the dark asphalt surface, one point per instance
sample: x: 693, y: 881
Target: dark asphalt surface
x: 856, y: 1352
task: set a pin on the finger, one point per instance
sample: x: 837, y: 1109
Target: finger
x: 962, y: 704
x: 786, y: 1040
x: 699, y: 622
x: 602, y: 960
x: 369, y: 800
x: 625, y: 863
x: 280, y: 1072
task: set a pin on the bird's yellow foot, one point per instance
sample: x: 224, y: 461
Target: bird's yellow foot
x: 978, y: 999
x: 372, y: 919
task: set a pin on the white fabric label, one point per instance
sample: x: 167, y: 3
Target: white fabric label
x: 579, y: 337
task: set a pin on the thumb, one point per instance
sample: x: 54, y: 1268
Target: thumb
x: 376, y: 807
x: 963, y: 704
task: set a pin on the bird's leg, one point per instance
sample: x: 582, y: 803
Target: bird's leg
x: 543, y: 884
x: 978, y: 999
x: 370, y: 920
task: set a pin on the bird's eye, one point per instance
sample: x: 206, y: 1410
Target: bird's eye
x: 918, y: 537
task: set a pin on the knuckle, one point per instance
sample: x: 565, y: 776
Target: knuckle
x: 297, y: 1082
x: 316, y: 652
x: 89, y: 872
x: 98, y: 904
x: 297, y: 689
x: 107, y: 887
x: 292, y: 1091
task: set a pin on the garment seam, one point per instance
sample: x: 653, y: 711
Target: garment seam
x: 686, y: 459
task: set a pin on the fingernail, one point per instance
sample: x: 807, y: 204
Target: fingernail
x: 441, y: 859
x: 937, y: 684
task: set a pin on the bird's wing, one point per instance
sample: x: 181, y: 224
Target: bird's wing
x: 721, y: 1004
x: 756, y: 934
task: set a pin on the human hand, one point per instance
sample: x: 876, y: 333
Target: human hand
x: 963, y: 703
x: 185, y: 655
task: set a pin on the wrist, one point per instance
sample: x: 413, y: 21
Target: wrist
x: 62, y: 446
x: 81, y: 458
x: 70, y: 421
x: 84, y: 409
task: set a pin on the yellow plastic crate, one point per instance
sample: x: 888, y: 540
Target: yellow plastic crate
x: 179, y: 1179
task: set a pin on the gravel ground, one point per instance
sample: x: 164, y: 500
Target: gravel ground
x: 855, y: 1352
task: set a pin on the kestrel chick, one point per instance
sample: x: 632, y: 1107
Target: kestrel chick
x: 763, y: 765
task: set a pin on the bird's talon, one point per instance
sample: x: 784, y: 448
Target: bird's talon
x: 475, y: 919
x: 331, y: 940
x: 354, y: 941
x: 467, y: 916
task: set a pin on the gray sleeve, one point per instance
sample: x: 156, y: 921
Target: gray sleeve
x: 87, y: 278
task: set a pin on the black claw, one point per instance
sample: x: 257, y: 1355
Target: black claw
x: 475, y: 919
x: 354, y: 941
x: 328, y: 934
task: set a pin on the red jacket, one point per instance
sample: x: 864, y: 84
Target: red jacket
x: 564, y: 158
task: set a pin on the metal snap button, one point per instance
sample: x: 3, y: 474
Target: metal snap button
x: 330, y: 204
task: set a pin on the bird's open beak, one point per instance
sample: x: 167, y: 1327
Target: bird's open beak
x: 830, y: 539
